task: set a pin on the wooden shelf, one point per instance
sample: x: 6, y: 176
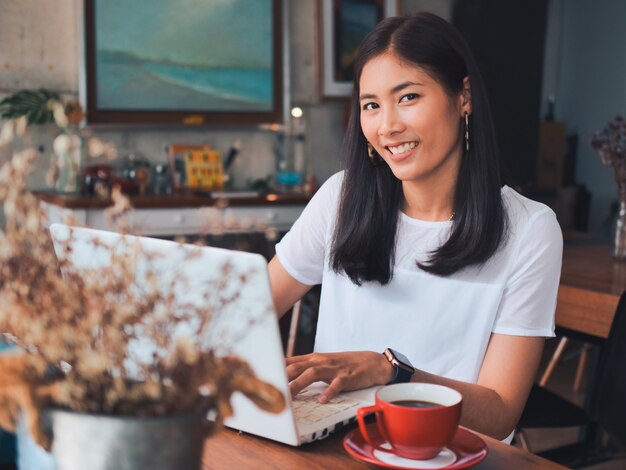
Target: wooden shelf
x: 173, y: 201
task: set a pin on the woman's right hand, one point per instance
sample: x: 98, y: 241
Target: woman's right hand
x: 342, y: 371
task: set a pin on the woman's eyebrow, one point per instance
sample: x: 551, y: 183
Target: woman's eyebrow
x: 367, y: 96
x: 395, y: 89
x: 404, y: 85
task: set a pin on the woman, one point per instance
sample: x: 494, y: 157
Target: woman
x: 417, y: 245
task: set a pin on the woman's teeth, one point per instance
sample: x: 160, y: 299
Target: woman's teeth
x: 402, y: 148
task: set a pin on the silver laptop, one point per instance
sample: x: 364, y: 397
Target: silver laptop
x: 250, y: 322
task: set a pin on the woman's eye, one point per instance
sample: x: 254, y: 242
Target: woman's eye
x: 409, y: 97
x: 370, y: 106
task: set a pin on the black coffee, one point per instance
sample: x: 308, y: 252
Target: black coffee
x: 416, y: 403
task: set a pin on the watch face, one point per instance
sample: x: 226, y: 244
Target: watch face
x: 401, y: 358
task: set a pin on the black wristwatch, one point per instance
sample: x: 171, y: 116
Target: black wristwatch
x: 404, y: 369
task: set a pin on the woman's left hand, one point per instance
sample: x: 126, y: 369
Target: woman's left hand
x: 342, y: 371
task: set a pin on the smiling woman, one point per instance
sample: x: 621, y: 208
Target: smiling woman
x: 415, y: 127
x: 419, y: 248
x: 430, y: 92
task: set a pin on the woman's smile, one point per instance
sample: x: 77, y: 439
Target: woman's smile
x: 398, y: 152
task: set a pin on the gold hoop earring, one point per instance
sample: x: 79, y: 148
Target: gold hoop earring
x: 467, y: 132
x: 374, y: 156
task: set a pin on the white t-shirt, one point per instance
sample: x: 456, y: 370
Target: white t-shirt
x: 442, y: 324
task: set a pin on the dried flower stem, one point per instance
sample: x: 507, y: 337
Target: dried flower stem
x: 610, y: 143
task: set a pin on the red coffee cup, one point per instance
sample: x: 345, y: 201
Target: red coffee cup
x: 417, y: 419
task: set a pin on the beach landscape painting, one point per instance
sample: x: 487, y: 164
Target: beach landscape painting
x: 183, y: 56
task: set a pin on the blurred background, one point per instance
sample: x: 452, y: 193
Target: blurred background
x: 555, y: 70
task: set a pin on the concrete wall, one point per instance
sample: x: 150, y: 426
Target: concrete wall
x: 38, y: 45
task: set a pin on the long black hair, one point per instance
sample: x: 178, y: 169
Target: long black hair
x: 371, y: 197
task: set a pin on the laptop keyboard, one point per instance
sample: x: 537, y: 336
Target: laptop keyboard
x: 308, y: 410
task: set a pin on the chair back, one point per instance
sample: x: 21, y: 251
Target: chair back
x: 610, y: 393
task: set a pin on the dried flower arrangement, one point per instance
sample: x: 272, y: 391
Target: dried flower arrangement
x: 610, y: 143
x: 75, y: 327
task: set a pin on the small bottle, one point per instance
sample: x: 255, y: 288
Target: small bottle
x: 160, y: 180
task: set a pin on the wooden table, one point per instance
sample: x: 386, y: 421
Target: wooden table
x: 231, y: 450
x: 591, y: 285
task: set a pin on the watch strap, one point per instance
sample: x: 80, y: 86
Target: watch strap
x: 402, y: 376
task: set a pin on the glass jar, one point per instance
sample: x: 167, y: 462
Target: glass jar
x: 68, y: 151
x: 619, y: 234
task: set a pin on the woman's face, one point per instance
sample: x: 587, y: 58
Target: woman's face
x: 411, y: 121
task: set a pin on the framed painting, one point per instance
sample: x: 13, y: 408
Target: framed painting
x: 182, y: 62
x: 344, y: 24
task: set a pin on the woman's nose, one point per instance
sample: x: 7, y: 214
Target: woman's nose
x: 390, y: 123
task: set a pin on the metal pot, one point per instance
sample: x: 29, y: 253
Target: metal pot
x: 99, y: 442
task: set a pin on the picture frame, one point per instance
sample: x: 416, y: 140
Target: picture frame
x: 343, y: 25
x: 147, y: 63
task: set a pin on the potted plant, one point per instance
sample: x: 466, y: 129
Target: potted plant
x: 39, y: 107
x: 75, y: 371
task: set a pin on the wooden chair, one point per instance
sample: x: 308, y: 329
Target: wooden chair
x: 293, y: 328
x: 558, y: 355
x: 606, y: 411
x: 302, y: 324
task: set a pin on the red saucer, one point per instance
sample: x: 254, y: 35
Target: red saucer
x: 465, y: 450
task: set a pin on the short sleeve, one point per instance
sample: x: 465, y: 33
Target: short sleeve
x: 302, y: 251
x: 529, y: 301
